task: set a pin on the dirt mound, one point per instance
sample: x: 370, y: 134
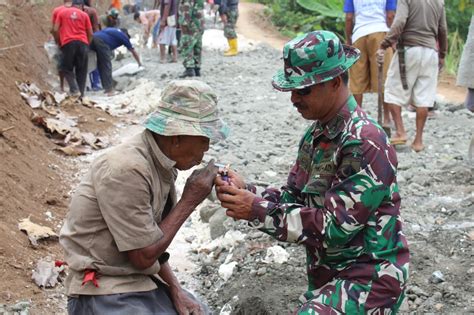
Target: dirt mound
x: 35, y: 179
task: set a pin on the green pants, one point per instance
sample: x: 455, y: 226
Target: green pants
x: 382, y: 296
x: 190, y: 49
x: 229, y: 28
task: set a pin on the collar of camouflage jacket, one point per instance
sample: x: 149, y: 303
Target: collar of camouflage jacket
x: 335, y: 126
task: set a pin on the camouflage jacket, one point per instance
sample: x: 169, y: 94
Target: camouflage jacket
x: 341, y: 201
x: 191, y: 16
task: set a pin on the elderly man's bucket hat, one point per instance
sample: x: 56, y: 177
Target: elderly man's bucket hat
x: 313, y: 58
x: 188, y: 107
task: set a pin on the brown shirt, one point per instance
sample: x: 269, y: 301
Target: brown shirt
x: 117, y: 208
x: 419, y: 23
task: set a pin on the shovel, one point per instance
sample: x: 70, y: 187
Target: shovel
x: 380, y: 100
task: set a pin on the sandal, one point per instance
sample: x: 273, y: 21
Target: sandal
x: 398, y: 141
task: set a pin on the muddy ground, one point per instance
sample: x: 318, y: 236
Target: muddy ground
x: 437, y: 185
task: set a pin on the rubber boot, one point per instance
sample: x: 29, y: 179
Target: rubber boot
x: 233, y: 48
x: 228, y: 49
x: 189, y: 72
x: 197, y: 71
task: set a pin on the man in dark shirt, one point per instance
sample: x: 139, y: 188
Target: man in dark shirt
x: 103, y: 43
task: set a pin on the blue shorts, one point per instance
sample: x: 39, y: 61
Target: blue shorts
x: 155, y: 30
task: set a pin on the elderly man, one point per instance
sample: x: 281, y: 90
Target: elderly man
x: 341, y: 199
x: 124, y: 214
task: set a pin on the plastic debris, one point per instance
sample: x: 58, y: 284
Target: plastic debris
x: 46, y: 274
x: 437, y: 277
x: 35, y: 231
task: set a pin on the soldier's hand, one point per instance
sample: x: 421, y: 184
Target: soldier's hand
x: 238, y: 202
x: 199, y: 185
x: 224, y: 18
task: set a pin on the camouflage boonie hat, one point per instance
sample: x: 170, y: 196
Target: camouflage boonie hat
x: 188, y: 107
x: 313, y: 58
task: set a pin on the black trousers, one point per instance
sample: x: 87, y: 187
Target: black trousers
x: 104, y: 62
x: 74, y: 65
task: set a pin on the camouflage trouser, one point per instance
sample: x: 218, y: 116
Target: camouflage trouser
x: 190, y: 48
x: 229, y: 28
x: 381, y: 296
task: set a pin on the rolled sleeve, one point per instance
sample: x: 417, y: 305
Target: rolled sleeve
x: 398, y: 25
x: 124, y: 197
x: 369, y: 181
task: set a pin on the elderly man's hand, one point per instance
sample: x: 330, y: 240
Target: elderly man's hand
x: 184, y: 304
x: 380, y: 55
x: 238, y: 202
x: 199, y: 184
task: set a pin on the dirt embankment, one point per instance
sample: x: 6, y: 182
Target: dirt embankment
x: 34, y: 178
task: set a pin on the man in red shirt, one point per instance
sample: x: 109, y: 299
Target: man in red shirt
x: 73, y: 30
x: 59, y: 56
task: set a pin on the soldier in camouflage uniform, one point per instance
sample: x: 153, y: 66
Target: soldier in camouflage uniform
x: 191, y: 21
x: 125, y: 212
x: 341, y: 200
x: 229, y: 12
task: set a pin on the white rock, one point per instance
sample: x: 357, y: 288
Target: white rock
x: 226, y: 270
x: 276, y: 254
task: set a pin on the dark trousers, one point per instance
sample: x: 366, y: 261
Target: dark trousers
x: 153, y: 302
x: 74, y: 65
x: 104, y: 62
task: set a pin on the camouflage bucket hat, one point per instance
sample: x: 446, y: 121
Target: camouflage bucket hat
x: 313, y: 58
x: 188, y: 107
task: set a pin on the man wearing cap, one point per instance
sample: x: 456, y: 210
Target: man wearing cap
x: 111, y: 19
x: 341, y: 199
x: 125, y: 213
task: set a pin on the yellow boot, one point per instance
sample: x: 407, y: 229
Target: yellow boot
x: 233, y: 48
x: 228, y: 49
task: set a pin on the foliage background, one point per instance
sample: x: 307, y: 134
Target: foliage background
x: 293, y: 17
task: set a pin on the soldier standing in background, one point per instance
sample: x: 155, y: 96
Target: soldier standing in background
x: 191, y: 21
x: 229, y: 12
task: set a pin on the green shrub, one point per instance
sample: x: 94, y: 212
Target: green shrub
x: 455, y: 46
x: 293, y: 17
